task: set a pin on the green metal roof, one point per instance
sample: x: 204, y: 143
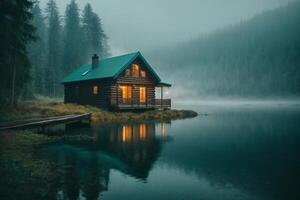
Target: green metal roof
x: 107, y: 68
x: 164, y: 84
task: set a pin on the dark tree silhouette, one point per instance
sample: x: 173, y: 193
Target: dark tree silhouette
x: 17, y: 31
x: 94, y: 38
x: 72, y: 47
x: 37, y: 52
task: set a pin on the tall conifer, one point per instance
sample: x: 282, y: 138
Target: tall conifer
x: 54, y: 54
x: 37, y: 52
x: 72, y: 47
x: 15, y: 17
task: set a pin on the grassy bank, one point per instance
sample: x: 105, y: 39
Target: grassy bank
x: 46, y: 107
x: 22, y: 176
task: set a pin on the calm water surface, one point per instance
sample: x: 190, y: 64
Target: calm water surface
x: 235, y: 152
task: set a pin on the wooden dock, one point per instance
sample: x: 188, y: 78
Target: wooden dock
x: 46, y: 121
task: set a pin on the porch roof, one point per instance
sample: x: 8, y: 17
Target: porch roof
x: 164, y: 84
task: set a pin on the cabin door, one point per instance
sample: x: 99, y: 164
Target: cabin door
x: 142, y: 95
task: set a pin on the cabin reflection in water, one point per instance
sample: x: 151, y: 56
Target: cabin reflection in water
x: 131, y: 149
x: 133, y: 133
x: 137, y: 145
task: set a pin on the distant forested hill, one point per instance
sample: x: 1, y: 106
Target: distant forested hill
x: 258, y: 57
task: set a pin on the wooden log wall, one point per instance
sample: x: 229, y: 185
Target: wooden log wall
x: 82, y: 93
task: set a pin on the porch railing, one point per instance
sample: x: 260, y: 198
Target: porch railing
x: 164, y: 103
x: 131, y: 103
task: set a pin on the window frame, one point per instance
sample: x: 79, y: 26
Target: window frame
x: 143, y: 72
x: 127, y: 72
x: 144, y: 99
x: 95, y: 90
x: 126, y: 89
x: 135, y: 71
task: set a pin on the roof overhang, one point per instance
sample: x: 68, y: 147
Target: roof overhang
x: 163, y: 84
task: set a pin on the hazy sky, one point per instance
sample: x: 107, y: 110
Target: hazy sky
x: 145, y: 24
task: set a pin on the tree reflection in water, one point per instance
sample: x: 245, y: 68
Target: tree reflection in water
x: 85, y: 167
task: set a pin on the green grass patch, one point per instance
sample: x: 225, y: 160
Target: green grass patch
x: 23, y: 176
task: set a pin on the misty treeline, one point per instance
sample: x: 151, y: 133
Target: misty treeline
x: 259, y: 57
x: 39, y: 47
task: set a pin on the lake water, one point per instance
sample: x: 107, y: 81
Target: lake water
x: 233, y: 152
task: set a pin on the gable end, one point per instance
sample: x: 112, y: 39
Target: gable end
x: 147, y: 65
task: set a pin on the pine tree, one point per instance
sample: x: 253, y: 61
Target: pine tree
x: 54, y: 54
x: 87, y: 37
x: 94, y: 38
x: 17, y: 31
x: 72, y: 48
x: 37, y: 52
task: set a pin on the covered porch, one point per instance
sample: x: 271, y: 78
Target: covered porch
x: 163, y: 100
x: 136, y: 97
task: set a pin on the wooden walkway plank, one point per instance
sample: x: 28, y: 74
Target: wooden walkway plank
x: 13, y: 123
x: 48, y: 121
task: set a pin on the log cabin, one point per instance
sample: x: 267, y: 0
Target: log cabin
x: 125, y: 82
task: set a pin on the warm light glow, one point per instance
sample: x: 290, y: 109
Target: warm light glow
x: 95, y: 89
x: 142, y: 131
x: 142, y: 94
x: 143, y: 74
x: 167, y: 93
x: 126, y: 92
x: 135, y: 70
x: 126, y: 133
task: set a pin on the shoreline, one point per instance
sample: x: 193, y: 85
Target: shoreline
x: 48, y: 108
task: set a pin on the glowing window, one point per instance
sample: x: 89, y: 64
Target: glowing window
x: 142, y: 94
x: 143, y: 74
x: 95, y: 90
x: 127, y: 72
x: 135, y: 70
x: 126, y: 92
